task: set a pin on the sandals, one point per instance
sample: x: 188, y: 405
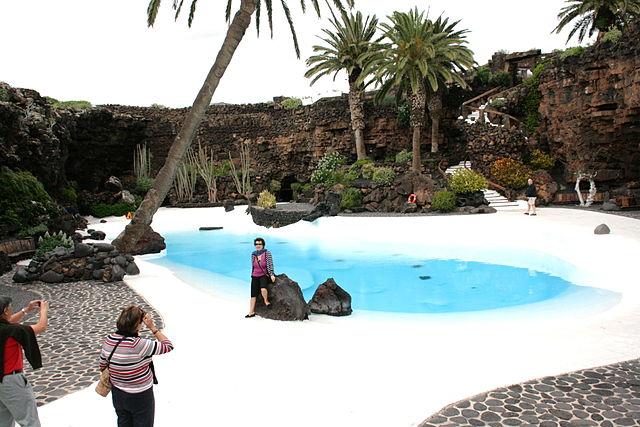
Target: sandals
x: 250, y: 315
x: 526, y: 213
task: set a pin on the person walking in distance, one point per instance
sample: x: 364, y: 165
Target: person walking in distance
x: 17, y: 401
x: 530, y: 194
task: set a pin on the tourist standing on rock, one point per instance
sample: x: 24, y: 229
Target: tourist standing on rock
x: 17, y: 401
x: 531, y: 195
x: 130, y: 367
x: 261, y: 272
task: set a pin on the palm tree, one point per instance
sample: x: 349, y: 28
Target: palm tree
x: 346, y: 48
x: 141, y: 221
x: 420, y: 54
x: 592, y: 15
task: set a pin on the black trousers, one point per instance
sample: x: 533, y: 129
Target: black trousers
x: 134, y: 409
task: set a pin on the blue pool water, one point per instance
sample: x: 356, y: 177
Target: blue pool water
x: 377, y: 281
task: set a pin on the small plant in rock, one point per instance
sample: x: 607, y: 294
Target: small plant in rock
x: 328, y: 164
x: 296, y: 187
x: 572, y: 51
x: 49, y: 242
x: 275, y: 185
x: 144, y: 184
x: 367, y: 171
x: 356, y: 168
x: 33, y: 231
x: 404, y: 156
x: 351, y: 198
x: 69, y: 194
x: 266, y: 199
x: 611, y: 36
x: 466, y: 181
x: 510, y: 173
x: 5, y: 94
x: 384, y: 176
x: 157, y: 106
x: 291, y: 103
x: 443, y: 201
x: 72, y: 105
x: 541, y: 160
x: 498, y: 102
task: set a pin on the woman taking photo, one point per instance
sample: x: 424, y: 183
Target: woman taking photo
x: 131, y: 369
x: 261, y: 273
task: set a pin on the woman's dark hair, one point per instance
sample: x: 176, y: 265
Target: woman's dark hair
x: 259, y: 240
x: 129, y: 319
x: 5, y: 302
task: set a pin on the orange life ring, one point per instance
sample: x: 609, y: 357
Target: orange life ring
x: 129, y: 215
x: 412, y: 198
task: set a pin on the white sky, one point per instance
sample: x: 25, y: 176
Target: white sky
x: 103, y: 52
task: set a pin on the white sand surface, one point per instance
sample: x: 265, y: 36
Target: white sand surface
x: 368, y: 369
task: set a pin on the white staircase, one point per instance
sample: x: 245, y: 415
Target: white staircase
x: 495, y: 199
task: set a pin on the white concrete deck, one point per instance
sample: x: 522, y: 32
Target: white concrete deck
x: 374, y: 370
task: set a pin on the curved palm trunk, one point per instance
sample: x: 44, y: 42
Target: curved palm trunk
x: 163, y: 181
x: 418, y: 102
x: 435, y: 111
x: 356, y: 106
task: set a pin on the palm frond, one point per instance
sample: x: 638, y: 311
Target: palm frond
x: 152, y: 12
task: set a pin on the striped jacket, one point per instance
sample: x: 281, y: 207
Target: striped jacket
x: 269, y: 260
x: 129, y: 365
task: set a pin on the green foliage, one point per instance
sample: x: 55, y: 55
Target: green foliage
x: 404, y: 156
x: 291, y: 103
x: 510, y: 173
x: 384, y: 176
x: 403, y: 116
x: 327, y: 165
x: 572, y: 51
x: 69, y: 194
x: 24, y: 202
x: 266, y: 200
x: 541, y: 160
x: 5, y: 94
x: 611, y: 36
x: 119, y: 209
x: 498, y: 102
x: 72, y: 105
x: 444, y: 201
x: 532, y: 99
x: 466, y: 181
x: 157, y: 106
x: 49, y: 242
x: 351, y: 198
x: 389, y: 159
x: 275, y: 185
x: 295, y: 188
x: 501, y: 78
x: 482, y: 76
x: 144, y: 184
x: 33, y: 231
x: 51, y: 100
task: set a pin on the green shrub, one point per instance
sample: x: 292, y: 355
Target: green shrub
x: 295, y: 188
x: 404, y: 156
x: 443, y: 201
x: 329, y: 163
x: 49, y: 242
x: 157, y: 106
x: 572, y: 51
x: 532, y: 99
x: 72, y: 105
x: 498, y: 102
x: 144, y: 184
x: 611, y: 36
x: 33, y: 231
x: 355, y: 169
x: 266, y: 200
x: 275, y: 185
x: 482, y: 76
x: 51, y: 100
x: 291, y: 103
x: 24, y: 202
x: 367, y: 171
x: 466, y: 181
x: 5, y: 94
x: 389, y: 159
x: 541, y: 160
x: 510, y: 173
x: 383, y: 176
x: 403, y: 115
x: 351, y: 198
x: 119, y: 209
x: 69, y: 194
x: 501, y: 78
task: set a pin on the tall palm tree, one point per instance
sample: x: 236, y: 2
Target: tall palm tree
x: 126, y: 241
x: 592, y: 15
x: 419, y: 55
x: 346, y: 49
x: 452, y: 57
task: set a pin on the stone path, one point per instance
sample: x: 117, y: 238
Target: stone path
x: 81, y: 314
x: 605, y: 396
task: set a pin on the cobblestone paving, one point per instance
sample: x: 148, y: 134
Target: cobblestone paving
x: 81, y: 314
x: 604, y: 396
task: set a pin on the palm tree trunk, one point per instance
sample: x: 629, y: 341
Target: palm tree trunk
x: 356, y: 107
x: 435, y: 111
x: 163, y: 181
x: 418, y: 102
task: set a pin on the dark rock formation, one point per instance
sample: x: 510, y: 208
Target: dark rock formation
x: 228, y: 205
x: 611, y: 205
x: 602, y: 229
x: 483, y: 209
x: 546, y: 187
x: 5, y: 263
x: 330, y: 299
x: 474, y: 199
x: 100, y: 261
x: 151, y: 242
x: 280, y: 216
x: 287, y: 301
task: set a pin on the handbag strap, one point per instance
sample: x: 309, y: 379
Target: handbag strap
x: 113, y: 351
x: 260, y: 265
